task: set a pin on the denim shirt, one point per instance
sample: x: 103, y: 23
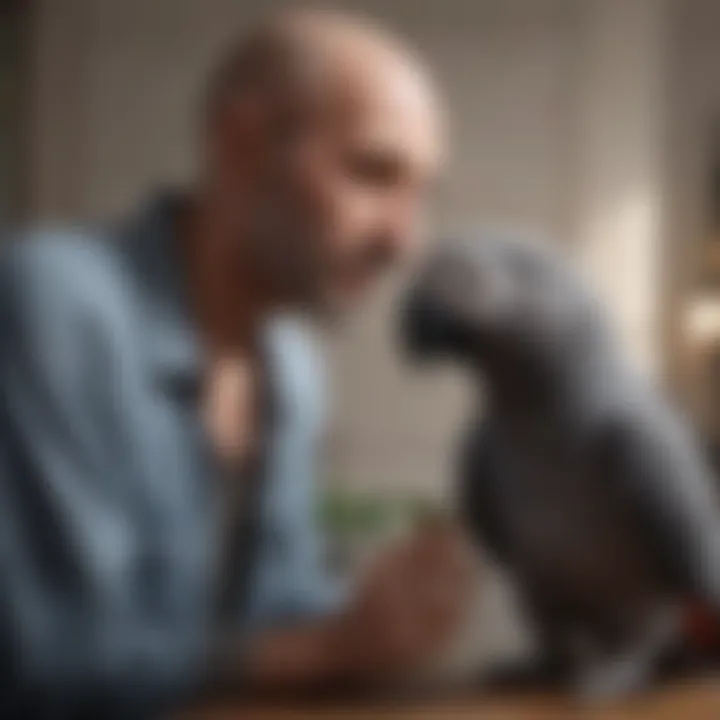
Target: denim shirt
x: 109, y: 495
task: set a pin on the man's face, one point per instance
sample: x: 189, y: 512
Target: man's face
x: 342, y: 202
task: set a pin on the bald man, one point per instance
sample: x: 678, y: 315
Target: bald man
x: 161, y: 410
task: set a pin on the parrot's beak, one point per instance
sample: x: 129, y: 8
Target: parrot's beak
x: 422, y: 328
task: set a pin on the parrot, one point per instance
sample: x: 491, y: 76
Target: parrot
x: 575, y: 472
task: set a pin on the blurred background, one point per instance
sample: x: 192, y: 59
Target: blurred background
x: 596, y: 122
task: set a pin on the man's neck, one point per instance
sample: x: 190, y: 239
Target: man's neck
x: 229, y: 305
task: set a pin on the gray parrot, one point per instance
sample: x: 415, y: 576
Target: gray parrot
x: 575, y: 474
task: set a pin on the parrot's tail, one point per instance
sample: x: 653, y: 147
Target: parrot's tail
x: 701, y: 622
x: 702, y: 628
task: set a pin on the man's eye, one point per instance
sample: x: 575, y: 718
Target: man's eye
x: 376, y: 170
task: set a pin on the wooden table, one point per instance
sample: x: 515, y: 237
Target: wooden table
x: 699, y: 700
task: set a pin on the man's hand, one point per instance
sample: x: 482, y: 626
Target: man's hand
x: 409, y: 605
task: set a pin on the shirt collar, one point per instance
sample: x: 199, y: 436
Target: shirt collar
x: 171, y: 341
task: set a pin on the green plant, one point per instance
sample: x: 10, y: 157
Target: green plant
x: 344, y: 513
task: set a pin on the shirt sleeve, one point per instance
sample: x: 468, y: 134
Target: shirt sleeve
x: 76, y: 631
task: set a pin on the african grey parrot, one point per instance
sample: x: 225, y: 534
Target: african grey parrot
x: 575, y: 474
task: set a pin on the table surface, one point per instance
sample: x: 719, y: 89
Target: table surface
x: 698, y: 700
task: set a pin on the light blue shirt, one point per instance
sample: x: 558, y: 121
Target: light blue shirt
x: 110, y: 585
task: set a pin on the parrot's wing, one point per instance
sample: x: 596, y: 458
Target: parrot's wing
x: 661, y: 475
x: 480, y: 485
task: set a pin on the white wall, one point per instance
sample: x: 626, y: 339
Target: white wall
x: 693, y: 138
x: 620, y: 193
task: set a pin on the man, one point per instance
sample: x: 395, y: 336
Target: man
x: 159, y: 420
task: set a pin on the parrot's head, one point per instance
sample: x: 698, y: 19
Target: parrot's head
x: 485, y: 297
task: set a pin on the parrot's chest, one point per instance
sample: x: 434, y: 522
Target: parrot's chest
x: 566, y: 527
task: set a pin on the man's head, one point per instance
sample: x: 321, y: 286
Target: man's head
x: 323, y: 138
